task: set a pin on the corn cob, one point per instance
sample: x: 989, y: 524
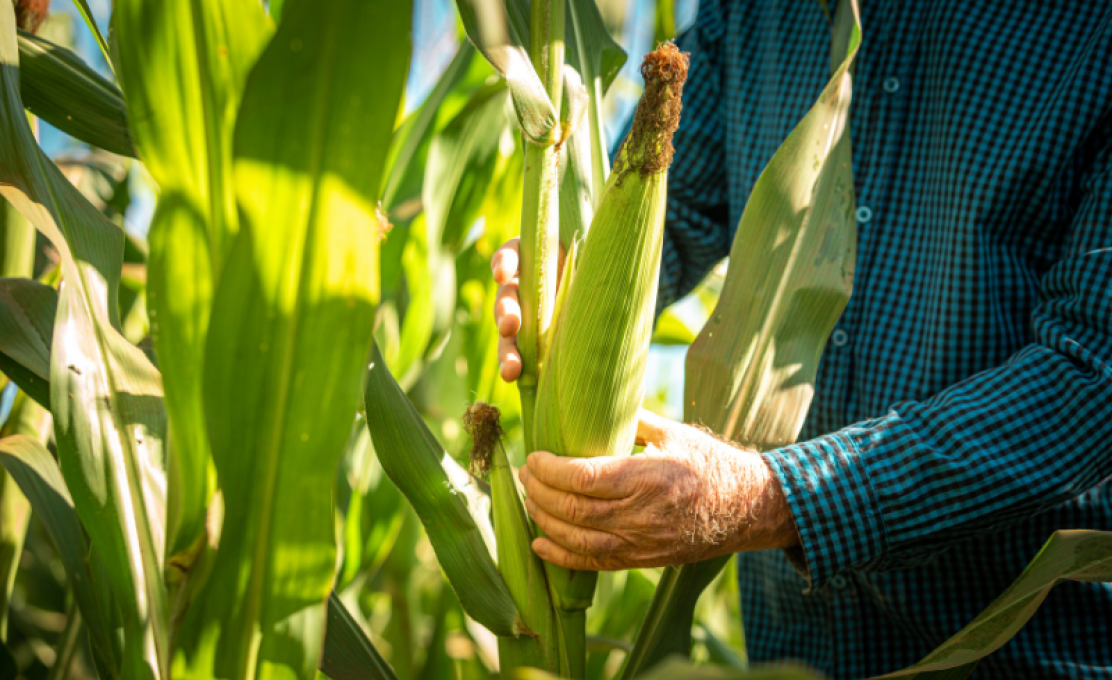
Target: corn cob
x: 535, y: 644
x: 591, y: 384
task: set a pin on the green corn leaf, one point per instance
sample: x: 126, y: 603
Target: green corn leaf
x: 63, y: 90
x: 17, y: 243
x: 291, y: 328
x: 34, y: 469
x: 183, y: 66
x: 460, y: 169
x: 87, y: 14
x: 29, y: 419
x: 461, y: 164
x: 671, y: 330
x: 27, y: 310
x: 593, y: 52
x: 502, y: 37
x: 454, y: 511
x: 106, y: 396
x: 1067, y: 555
x: 371, y: 506
x: 751, y: 370
x: 348, y: 654
x: 410, y: 143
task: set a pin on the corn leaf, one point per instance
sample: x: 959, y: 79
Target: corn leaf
x: 291, y: 328
x: 17, y: 243
x: 1068, y: 555
x: 410, y: 143
x: 502, y: 37
x: 27, y: 310
x: 63, y: 90
x: 454, y: 511
x: 348, y: 654
x: 183, y: 66
x: 671, y: 330
x: 29, y: 419
x: 87, y: 14
x: 460, y: 166
x: 598, y: 58
x: 750, y: 373
x: 40, y: 479
x: 106, y: 396
x: 371, y: 506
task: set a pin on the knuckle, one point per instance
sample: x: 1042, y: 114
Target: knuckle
x: 583, y: 544
x: 572, y: 509
x: 585, y: 477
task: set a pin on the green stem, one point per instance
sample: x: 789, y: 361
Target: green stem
x: 540, y: 233
x: 540, y: 221
x: 67, y: 645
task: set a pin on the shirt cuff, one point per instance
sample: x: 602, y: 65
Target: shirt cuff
x: 833, y: 504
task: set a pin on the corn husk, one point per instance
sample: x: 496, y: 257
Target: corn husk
x: 591, y: 384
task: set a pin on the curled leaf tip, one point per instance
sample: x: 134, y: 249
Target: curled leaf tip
x: 481, y: 421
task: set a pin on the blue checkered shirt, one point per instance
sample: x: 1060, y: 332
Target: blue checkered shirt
x: 963, y: 406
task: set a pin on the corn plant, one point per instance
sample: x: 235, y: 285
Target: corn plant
x: 583, y: 349
x: 216, y: 500
x: 263, y: 271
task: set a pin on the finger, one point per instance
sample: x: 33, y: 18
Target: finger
x: 601, y: 477
x: 507, y: 311
x: 509, y: 360
x: 573, y: 508
x: 551, y: 551
x: 582, y: 540
x: 504, y: 264
x: 651, y: 428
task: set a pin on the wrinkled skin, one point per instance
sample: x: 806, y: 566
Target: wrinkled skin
x: 688, y: 497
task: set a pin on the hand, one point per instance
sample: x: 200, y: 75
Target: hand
x: 507, y: 310
x: 688, y: 497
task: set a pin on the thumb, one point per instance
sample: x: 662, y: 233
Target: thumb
x: 651, y: 428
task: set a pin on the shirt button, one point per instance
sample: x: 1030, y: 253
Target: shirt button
x: 839, y: 337
x: 864, y: 214
x: 891, y: 85
x: 838, y: 582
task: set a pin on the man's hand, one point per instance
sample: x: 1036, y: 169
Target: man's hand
x: 688, y: 497
x: 507, y: 310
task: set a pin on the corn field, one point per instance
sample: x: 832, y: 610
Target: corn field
x: 269, y: 439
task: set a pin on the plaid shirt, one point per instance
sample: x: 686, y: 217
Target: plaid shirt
x: 963, y: 406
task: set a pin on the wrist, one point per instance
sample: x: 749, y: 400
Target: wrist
x: 740, y: 505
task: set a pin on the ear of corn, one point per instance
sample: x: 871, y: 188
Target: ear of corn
x: 535, y: 646
x: 592, y: 382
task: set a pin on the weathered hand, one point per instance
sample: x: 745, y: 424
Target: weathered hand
x: 507, y: 310
x: 687, y: 497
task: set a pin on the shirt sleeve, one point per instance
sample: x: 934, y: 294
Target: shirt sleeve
x: 696, y: 229
x: 987, y: 452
